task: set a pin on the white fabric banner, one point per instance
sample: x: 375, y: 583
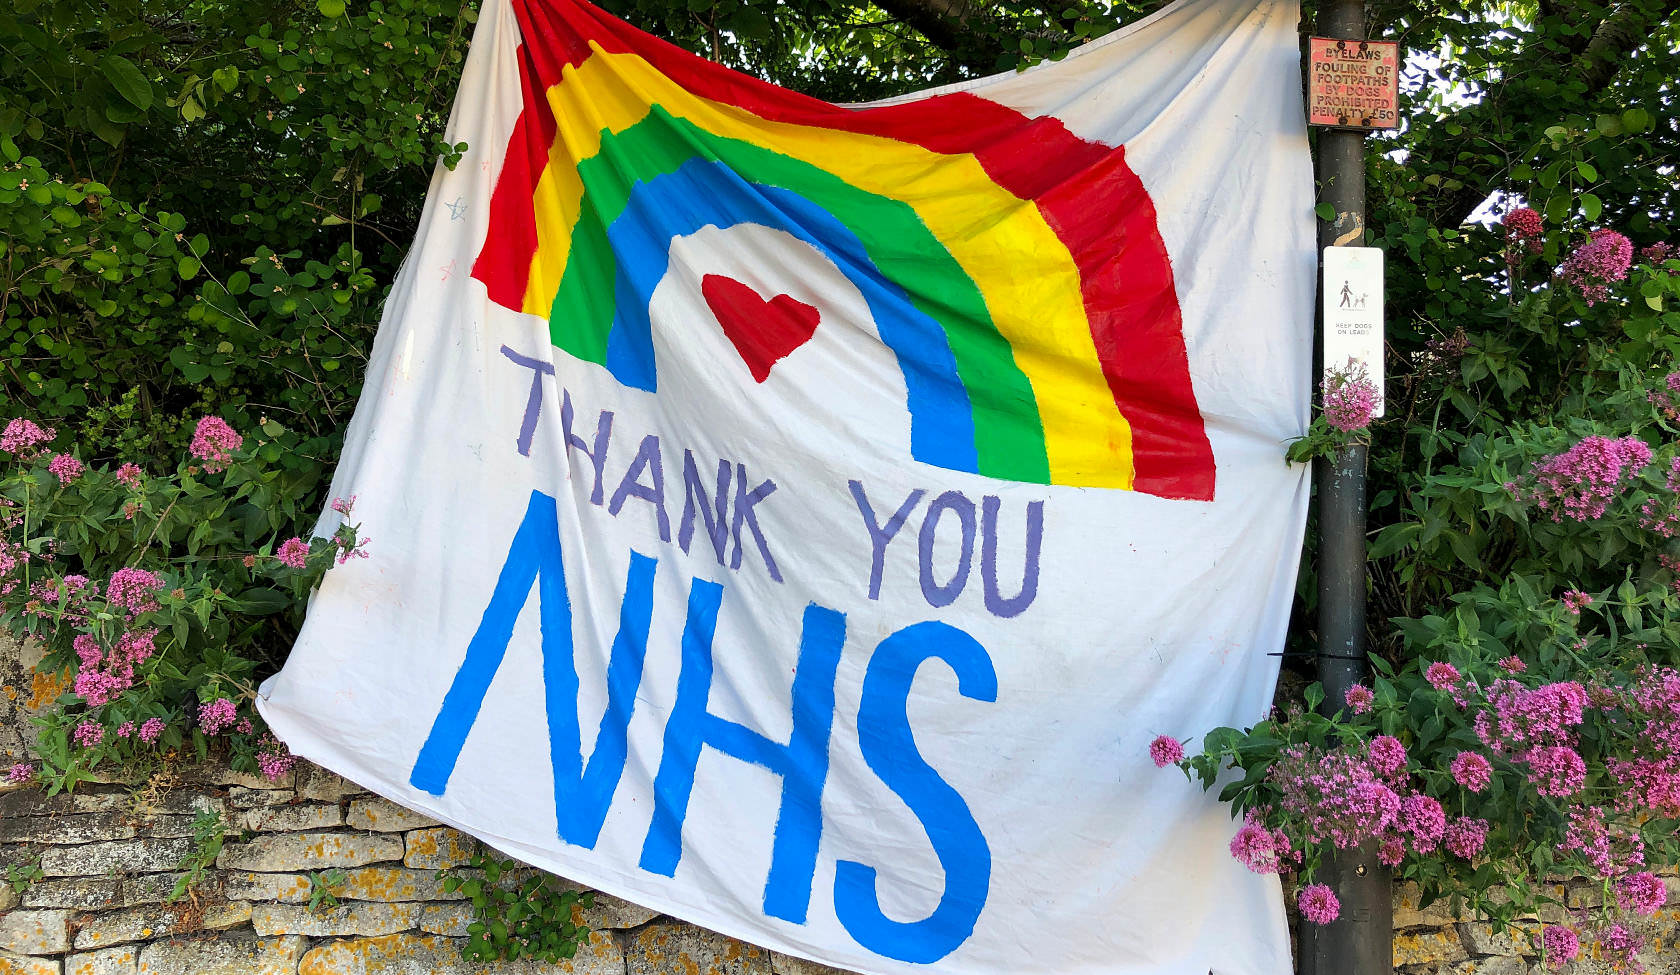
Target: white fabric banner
x: 799, y: 519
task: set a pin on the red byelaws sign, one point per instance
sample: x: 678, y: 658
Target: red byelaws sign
x: 1354, y: 83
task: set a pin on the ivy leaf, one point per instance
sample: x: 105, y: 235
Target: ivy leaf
x: 127, y: 80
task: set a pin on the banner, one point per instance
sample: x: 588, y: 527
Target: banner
x: 800, y: 518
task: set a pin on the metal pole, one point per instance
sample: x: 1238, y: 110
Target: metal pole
x: 1361, y: 941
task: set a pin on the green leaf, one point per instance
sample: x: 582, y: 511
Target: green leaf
x: 330, y: 9
x: 187, y: 268
x: 1591, y: 207
x: 1325, y: 211
x: 127, y: 80
x: 1587, y: 171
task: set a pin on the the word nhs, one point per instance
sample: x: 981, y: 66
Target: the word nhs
x: 583, y: 788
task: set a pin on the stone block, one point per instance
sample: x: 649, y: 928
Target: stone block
x: 217, y: 774
x: 111, y: 961
x: 285, y: 888
x: 143, y: 923
x: 394, y: 884
x: 132, y: 856
x: 314, y: 782
x: 385, y: 816
x: 1408, y: 913
x: 781, y: 964
x: 437, y: 848
x: 10, y: 898
x: 293, y: 818
x: 35, y: 932
x: 1488, y: 939
x: 155, y: 888
x: 676, y: 947
x: 242, y: 797
x: 1428, y: 947
x: 235, y: 954
x: 279, y: 852
x: 91, y: 828
x: 426, y: 954
x: 86, y: 893
x: 24, y: 965
x: 363, y: 919
x: 450, y: 920
x: 616, y: 914
x: 31, y: 801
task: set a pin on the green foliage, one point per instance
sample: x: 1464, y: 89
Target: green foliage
x: 518, y: 911
x: 324, y: 887
x: 209, y: 832
x: 24, y: 874
x: 206, y: 542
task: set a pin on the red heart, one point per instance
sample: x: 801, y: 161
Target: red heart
x: 763, y: 332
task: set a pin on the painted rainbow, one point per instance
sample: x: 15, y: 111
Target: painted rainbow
x: 1014, y: 269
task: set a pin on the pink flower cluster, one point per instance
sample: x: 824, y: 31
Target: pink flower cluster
x: 1335, y: 797
x: 129, y: 475
x: 214, y: 716
x: 1659, y: 253
x: 1442, y: 676
x: 1318, y: 904
x: 1603, y: 260
x: 294, y: 552
x: 1359, y: 699
x: 1350, y: 398
x: 134, y: 590
x: 19, y: 773
x: 1581, y: 482
x: 1664, y: 400
x: 104, y: 675
x: 214, y: 442
x: 151, y: 729
x: 273, y: 758
x: 1642, y: 893
x: 66, y: 468
x: 1263, y: 850
x: 23, y: 438
x: 1524, y: 224
x: 1561, y: 945
x: 1165, y: 750
x: 88, y: 734
x: 1575, y: 600
x: 1472, y: 770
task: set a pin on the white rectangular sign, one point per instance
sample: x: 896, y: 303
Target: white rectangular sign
x: 800, y: 518
x: 1353, y: 312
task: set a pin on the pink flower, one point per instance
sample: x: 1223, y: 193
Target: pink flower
x: 294, y: 552
x: 1422, y: 816
x: 20, y: 772
x: 1387, y: 755
x: 1513, y: 665
x: 129, y: 475
x: 356, y: 551
x: 1465, y: 837
x: 343, y: 505
x: 133, y: 589
x: 1575, y: 600
x: 214, y: 443
x: 151, y: 729
x: 1164, y: 751
x: 1318, y: 904
x: 1472, y: 770
x: 1442, y: 676
x: 1658, y: 253
x: 245, y: 726
x: 1254, y: 849
x: 1392, y: 850
x: 274, y: 759
x: 125, y: 729
x: 1556, y: 771
x: 1359, y: 698
x: 66, y: 468
x: 1523, y: 224
x: 22, y: 437
x: 215, y: 715
x: 1621, y: 945
x: 1642, y: 893
x: 1602, y: 260
x: 1581, y: 482
x: 1561, y: 945
x: 89, y: 734
x: 1331, y: 797
x: 1350, y: 399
